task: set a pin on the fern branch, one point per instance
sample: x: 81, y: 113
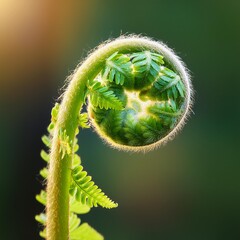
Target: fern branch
x: 117, y: 69
x: 87, y: 192
x: 103, y: 97
x: 170, y: 84
x: 146, y: 67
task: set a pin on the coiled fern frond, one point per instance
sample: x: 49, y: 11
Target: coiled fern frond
x: 151, y: 94
x: 138, y: 95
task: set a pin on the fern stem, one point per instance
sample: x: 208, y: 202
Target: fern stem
x: 73, y: 99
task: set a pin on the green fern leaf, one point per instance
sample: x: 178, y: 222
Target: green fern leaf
x: 42, y: 197
x: 111, y: 121
x: 83, y: 120
x: 77, y: 207
x: 74, y: 222
x: 44, y: 173
x: 41, y: 218
x: 117, y: 69
x: 43, y: 233
x: 54, y: 114
x: 75, y: 145
x: 50, y: 127
x: 46, y: 140
x: 44, y: 156
x: 65, y: 143
x: 102, y: 97
x: 170, y: 85
x: 166, y: 111
x: 146, y: 67
x: 152, y: 129
x: 75, y: 148
x: 85, y: 232
x: 76, y: 160
x: 99, y: 114
x: 86, y: 192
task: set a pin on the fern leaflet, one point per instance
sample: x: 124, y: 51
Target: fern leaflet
x: 117, y: 69
x: 83, y: 120
x: 85, y: 232
x: 166, y: 108
x: 74, y: 222
x: 146, y: 66
x: 44, y: 156
x: 166, y: 111
x: 44, y: 173
x: 42, y: 197
x: 102, y: 97
x: 46, y: 140
x: 54, y: 114
x: 169, y: 85
x: 86, y: 192
x: 151, y: 129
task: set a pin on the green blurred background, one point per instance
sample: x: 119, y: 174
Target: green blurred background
x: 188, y: 189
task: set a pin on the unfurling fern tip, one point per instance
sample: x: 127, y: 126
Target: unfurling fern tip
x: 138, y: 95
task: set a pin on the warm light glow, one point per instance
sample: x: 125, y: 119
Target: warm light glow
x: 133, y: 97
x: 133, y: 69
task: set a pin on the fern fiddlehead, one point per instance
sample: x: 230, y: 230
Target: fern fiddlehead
x: 138, y: 95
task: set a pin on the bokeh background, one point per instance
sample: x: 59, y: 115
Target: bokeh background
x: 188, y: 189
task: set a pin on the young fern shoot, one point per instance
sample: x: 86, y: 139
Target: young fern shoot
x: 138, y: 94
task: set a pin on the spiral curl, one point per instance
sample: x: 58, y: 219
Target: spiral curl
x: 140, y: 99
x: 139, y: 95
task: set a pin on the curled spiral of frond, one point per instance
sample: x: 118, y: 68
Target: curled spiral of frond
x: 139, y: 99
x: 138, y: 94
